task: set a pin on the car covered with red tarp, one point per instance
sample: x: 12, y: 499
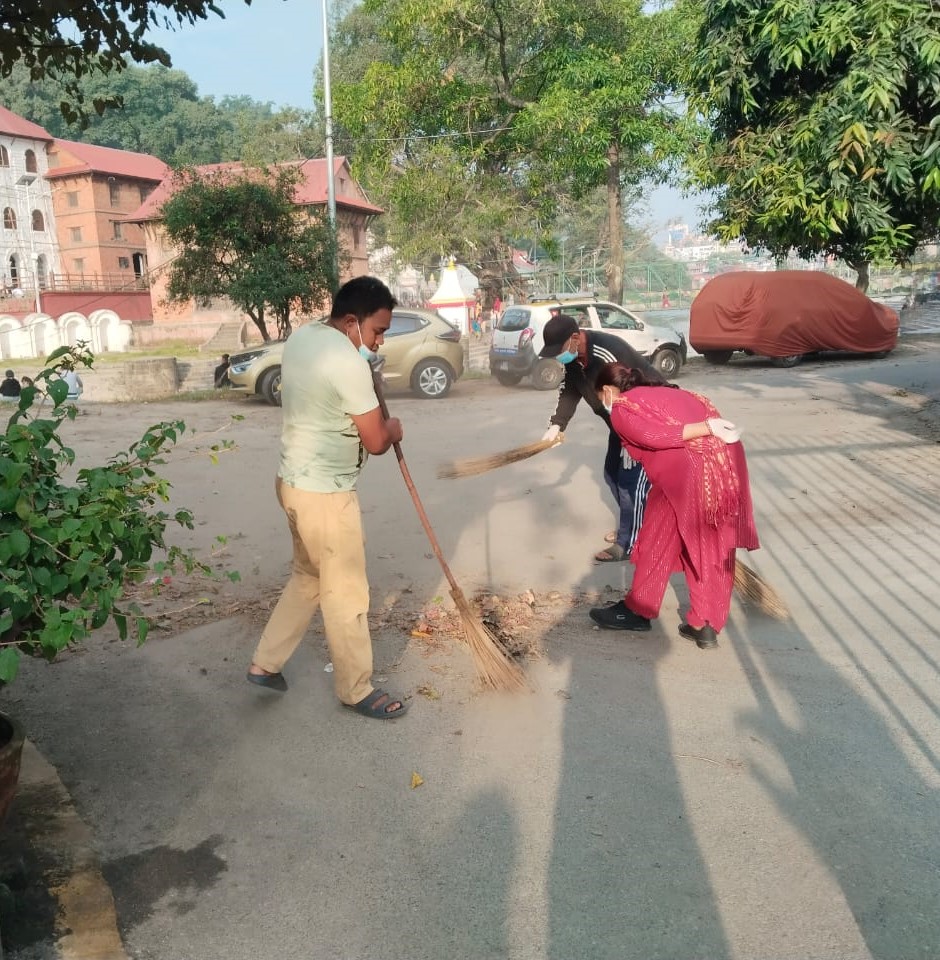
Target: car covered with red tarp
x: 786, y: 315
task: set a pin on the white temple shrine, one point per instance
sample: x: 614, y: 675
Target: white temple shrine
x: 451, y: 301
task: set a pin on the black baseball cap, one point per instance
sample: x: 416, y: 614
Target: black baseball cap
x: 557, y: 333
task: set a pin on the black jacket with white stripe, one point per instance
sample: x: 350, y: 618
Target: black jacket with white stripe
x: 578, y: 382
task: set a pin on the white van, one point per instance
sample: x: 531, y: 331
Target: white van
x: 517, y: 339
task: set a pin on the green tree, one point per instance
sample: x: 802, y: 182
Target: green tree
x: 481, y: 116
x: 67, y: 41
x: 162, y: 114
x: 825, y: 129
x: 242, y: 236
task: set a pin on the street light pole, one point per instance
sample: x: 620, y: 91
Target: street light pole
x: 24, y: 181
x: 328, y: 109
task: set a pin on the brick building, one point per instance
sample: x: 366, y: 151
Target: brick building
x: 93, y: 191
x: 354, y: 213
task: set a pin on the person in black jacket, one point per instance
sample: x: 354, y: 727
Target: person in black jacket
x: 583, y: 352
x: 10, y: 387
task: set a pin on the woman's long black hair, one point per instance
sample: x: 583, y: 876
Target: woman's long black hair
x: 622, y: 377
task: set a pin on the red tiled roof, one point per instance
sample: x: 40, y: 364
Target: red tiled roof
x: 14, y: 125
x: 311, y: 191
x: 94, y: 159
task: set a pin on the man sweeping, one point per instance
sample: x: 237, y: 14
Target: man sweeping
x: 331, y: 421
x: 583, y: 353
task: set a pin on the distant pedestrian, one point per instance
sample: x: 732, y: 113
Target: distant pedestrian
x: 76, y: 387
x: 665, y: 301
x: 220, y: 378
x: 10, y: 387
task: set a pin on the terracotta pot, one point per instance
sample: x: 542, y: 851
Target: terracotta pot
x: 11, y: 749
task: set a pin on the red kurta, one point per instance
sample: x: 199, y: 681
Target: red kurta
x: 699, y: 509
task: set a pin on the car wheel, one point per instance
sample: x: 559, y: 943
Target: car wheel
x: 432, y: 379
x: 787, y: 361
x: 717, y: 357
x: 508, y: 379
x: 668, y: 362
x: 270, y: 386
x: 547, y: 374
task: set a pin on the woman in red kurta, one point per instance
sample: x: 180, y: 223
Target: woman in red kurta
x: 699, y: 508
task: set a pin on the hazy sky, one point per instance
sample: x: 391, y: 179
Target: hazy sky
x: 269, y: 52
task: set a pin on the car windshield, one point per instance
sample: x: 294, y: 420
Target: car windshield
x: 613, y: 319
x: 515, y: 318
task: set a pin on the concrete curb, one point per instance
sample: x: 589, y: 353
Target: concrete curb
x: 86, y: 922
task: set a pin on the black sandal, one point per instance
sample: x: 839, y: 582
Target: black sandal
x: 377, y: 704
x: 271, y: 681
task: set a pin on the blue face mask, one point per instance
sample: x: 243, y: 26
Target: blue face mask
x: 368, y: 355
x: 567, y: 356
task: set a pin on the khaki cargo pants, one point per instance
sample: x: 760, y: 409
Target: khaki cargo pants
x: 329, y: 571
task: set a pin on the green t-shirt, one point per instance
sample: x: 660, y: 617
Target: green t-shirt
x: 324, y: 384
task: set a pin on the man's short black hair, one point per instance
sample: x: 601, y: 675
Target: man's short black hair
x: 362, y: 296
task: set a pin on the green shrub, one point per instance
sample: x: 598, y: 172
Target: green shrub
x: 69, y: 549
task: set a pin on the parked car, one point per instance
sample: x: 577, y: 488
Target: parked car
x: 517, y: 339
x: 787, y: 315
x: 422, y: 351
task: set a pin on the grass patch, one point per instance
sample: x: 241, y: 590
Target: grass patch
x: 199, y: 396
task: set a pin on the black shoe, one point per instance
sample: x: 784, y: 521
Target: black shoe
x: 270, y: 681
x: 618, y: 616
x: 705, y: 637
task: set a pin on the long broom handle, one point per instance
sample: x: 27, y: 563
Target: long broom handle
x: 409, y: 483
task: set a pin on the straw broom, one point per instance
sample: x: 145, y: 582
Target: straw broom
x: 494, y: 667
x: 757, y: 591
x: 472, y: 466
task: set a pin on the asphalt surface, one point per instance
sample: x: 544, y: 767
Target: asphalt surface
x: 776, y: 798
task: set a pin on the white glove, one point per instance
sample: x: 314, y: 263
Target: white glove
x: 551, y: 434
x: 723, y: 429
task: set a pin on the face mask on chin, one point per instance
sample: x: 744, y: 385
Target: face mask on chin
x: 370, y: 356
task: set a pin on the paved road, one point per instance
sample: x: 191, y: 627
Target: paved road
x: 776, y: 799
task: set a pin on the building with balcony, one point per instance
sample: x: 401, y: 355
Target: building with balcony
x: 94, y: 189
x: 197, y: 322
x: 28, y: 247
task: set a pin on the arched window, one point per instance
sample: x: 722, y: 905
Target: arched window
x: 39, y: 224
x: 9, y: 219
x: 30, y: 161
x: 4, y: 157
x: 14, y: 271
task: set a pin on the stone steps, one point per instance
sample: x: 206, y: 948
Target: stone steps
x: 229, y: 338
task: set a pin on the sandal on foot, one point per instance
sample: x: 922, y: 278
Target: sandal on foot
x: 612, y: 554
x: 271, y: 681
x: 377, y: 704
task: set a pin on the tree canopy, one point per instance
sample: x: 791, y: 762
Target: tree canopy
x: 241, y: 236
x: 71, y: 39
x: 825, y: 129
x: 163, y: 114
x: 477, y: 117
